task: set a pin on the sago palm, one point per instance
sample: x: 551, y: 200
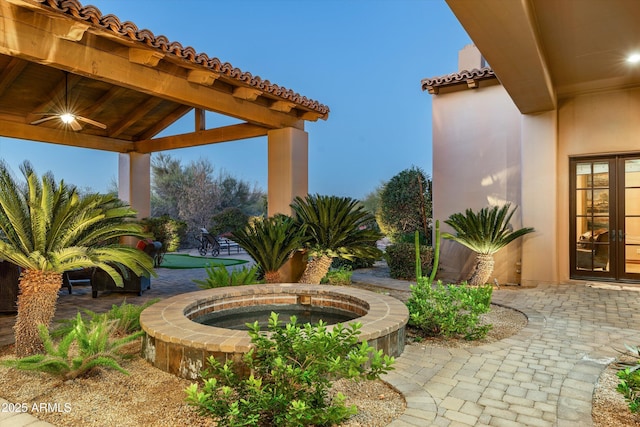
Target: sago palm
x: 336, y: 227
x: 485, y: 233
x: 270, y: 242
x: 48, y: 228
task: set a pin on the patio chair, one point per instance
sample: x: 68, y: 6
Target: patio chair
x: 101, y: 281
x: 593, y: 251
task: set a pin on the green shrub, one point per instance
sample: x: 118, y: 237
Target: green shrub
x: 629, y: 385
x: 451, y: 310
x: 94, y: 347
x: 291, y: 372
x: 219, y: 276
x: 405, y: 205
x: 125, y: 318
x: 401, y: 259
x: 338, y: 276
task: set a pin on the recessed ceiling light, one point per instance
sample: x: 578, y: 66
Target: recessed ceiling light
x: 634, y: 58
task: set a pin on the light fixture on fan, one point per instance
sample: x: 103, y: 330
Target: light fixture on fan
x: 66, y: 116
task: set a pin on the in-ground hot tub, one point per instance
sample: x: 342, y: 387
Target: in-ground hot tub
x: 175, y: 343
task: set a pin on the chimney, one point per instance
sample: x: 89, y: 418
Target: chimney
x: 469, y: 57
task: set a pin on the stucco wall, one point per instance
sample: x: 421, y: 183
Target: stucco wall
x: 592, y: 124
x: 476, y: 163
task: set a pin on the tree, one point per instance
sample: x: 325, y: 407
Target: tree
x: 485, y: 233
x: 405, y: 205
x: 194, y: 195
x: 270, y: 242
x: 48, y: 228
x: 336, y: 227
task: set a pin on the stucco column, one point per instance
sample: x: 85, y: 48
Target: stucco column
x: 540, y: 198
x: 134, y: 181
x: 288, y: 175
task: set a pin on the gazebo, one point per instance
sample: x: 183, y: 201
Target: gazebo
x: 128, y: 85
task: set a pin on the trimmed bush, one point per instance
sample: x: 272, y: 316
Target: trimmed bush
x: 291, y: 372
x: 338, y: 277
x: 401, y: 259
x: 451, y: 310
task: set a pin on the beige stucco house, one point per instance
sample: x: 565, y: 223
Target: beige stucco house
x: 544, y: 114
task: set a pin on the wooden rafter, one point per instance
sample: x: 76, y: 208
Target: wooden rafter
x: 162, y: 124
x: 10, y: 73
x: 129, y: 119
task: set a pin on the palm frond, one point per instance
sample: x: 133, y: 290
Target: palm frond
x: 486, y: 231
x: 270, y: 242
x: 336, y: 226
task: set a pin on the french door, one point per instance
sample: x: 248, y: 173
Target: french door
x: 605, y: 218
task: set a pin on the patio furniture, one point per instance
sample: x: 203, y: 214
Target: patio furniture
x: 214, y: 244
x: 77, y: 277
x: 9, y: 278
x: 594, y: 248
x: 101, y: 281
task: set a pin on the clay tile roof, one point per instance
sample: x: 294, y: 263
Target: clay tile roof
x: 468, y: 77
x: 92, y: 14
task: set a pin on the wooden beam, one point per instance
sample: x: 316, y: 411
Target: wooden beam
x: 283, y: 106
x: 138, y: 112
x: 164, y: 123
x: 63, y: 137
x: 246, y: 93
x: 11, y: 72
x: 147, y: 57
x: 201, y: 119
x: 203, y: 137
x: 311, y: 116
x: 68, y: 29
x: 202, y: 77
x: 26, y: 36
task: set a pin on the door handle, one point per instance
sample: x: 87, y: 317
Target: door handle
x: 620, y: 235
x: 613, y: 235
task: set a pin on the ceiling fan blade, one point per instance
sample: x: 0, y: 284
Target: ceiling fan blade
x: 92, y: 122
x: 37, y: 122
x: 75, y: 125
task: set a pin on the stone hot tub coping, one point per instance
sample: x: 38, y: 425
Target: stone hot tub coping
x: 176, y: 344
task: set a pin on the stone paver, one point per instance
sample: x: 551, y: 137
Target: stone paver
x: 543, y: 376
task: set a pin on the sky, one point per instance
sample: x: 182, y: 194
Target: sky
x: 364, y: 59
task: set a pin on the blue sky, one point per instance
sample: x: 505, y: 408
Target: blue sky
x: 364, y: 59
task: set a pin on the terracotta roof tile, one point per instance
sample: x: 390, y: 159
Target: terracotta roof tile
x: 468, y: 77
x: 128, y: 29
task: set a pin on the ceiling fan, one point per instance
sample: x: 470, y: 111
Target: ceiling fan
x: 66, y: 116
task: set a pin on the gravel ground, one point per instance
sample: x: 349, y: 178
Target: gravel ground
x: 150, y: 397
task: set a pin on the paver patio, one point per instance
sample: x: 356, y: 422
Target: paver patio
x: 542, y: 376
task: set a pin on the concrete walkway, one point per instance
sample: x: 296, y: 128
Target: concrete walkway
x: 543, y: 376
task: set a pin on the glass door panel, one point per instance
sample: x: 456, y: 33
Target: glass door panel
x: 630, y: 236
x: 592, y: 218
